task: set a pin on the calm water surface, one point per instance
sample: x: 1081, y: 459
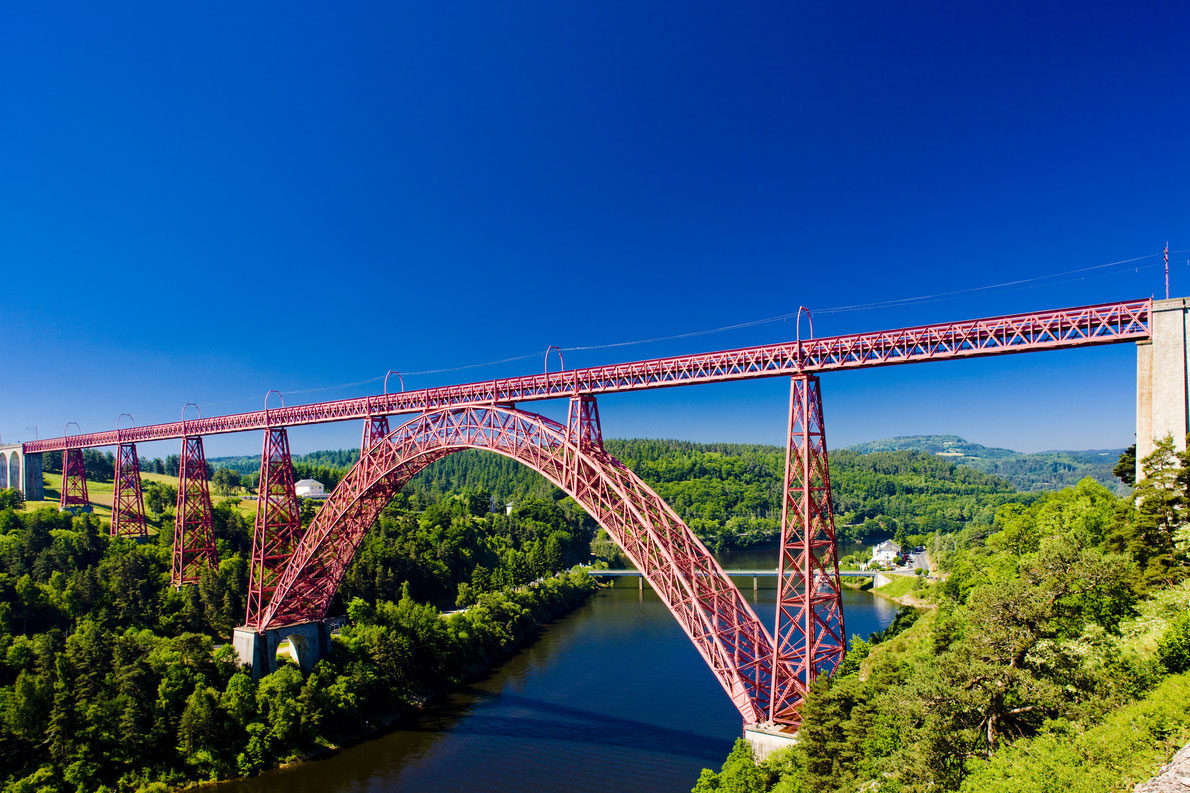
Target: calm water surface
x: 613, y: 697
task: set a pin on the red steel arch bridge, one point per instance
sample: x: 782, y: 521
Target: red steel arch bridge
x: 295, y: 573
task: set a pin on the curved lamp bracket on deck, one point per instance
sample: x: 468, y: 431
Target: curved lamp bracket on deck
x: 267, y: 420
x: 196, y: 410
x: 561, y: 363
x: 130, y: 418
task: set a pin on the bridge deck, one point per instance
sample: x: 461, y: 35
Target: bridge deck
x: 1108, y: 323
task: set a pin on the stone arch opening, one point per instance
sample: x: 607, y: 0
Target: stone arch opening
x: 703, y: 600
x: 301, y: 652
x: 285, y: 652
x: 14, y: 471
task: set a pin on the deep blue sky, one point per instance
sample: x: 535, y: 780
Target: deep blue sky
x: 202, y: 203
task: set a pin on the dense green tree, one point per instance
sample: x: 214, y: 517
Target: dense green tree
x: 226, y: 480
x: 202, y: 732
x: 1160, y: 497
x: 1088, y: 509
x: 280, y: 710
x: 11, y: 498
x: 1152, y: 532
x: 740, y: 774
x: 159, y: 497
x: 1125, y: 469
x: 27, y: 709
x: 239, y: 699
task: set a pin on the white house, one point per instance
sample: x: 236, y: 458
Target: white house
x: 887, y: 552
x: 309, y: 488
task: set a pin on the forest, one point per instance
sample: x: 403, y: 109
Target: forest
x: 1054, y: 656
x: 112, y: 680
x: 730, y: 494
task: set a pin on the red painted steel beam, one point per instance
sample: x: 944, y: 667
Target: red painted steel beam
x: 375, y: 431
x: 1107, y: 323
x: 128, y: 502
x: 809, y: 638
x: 73, y: 492
x: 194, y: 534
x: 278, y: 523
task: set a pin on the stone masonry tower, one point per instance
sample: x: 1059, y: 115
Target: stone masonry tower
x: 1162, y: 377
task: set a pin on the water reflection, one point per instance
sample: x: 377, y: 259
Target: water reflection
x: 536, y: 719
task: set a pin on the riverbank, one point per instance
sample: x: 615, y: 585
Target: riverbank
x: 902, y: 589
x: 905, y: 590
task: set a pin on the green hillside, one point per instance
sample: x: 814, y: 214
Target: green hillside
x: 1051, y: 654
x: 730, y: 494
x: 1039, y: 471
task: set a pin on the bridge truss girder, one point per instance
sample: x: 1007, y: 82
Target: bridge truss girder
x: 1108, y: 323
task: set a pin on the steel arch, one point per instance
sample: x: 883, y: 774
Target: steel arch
x: 706, y: 604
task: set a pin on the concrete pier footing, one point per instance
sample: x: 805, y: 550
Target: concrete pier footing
x: 766, y: 739
x: 1162, y: 378
x: 310, y: 641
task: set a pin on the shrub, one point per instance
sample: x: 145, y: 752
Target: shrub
x: 1173, y: 650
x: 11, y: 498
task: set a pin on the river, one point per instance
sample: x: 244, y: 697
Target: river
x: 613, y: 697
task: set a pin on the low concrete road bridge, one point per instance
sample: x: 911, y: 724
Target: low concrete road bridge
x: 755, y: 575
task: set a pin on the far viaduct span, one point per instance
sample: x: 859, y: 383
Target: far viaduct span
x: 295, y: 573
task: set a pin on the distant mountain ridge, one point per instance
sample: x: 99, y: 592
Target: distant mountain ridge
x: 1029, y: 472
